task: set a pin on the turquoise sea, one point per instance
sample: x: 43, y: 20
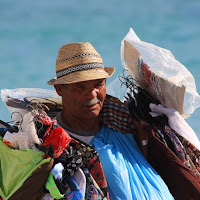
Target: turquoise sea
x: 31, y: 33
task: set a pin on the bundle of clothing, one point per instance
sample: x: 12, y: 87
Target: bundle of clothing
x: 50, y: 164
x: 168, y: 143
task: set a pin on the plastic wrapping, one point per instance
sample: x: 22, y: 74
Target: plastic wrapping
x: 163, y: 77
x: 17, y: 100
x: 21, y: 93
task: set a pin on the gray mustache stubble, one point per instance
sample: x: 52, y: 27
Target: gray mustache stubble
x: 91, y: 102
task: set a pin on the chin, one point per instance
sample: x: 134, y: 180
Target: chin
x: 92, y: 114
x: 92, y: 111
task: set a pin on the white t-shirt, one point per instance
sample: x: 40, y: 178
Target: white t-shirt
x: 84, y: 136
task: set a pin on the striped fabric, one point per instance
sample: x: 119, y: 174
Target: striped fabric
x: 116, y: 115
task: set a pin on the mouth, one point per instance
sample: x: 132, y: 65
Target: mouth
x: 92, y: 106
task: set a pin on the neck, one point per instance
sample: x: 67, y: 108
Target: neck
x: 81, y: 124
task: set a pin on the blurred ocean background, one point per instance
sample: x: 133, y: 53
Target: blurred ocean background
x: 31, y: 32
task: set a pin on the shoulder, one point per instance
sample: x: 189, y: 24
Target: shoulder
x: 110, y: 100
x: 115, y: 114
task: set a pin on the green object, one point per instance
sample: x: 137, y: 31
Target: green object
x: 16, y: 166
x: 53, y: 189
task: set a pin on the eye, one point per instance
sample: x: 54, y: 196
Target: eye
x: 79, y: 87
x: 100, y: 83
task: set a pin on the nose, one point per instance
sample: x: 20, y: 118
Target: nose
x: 92, y: 93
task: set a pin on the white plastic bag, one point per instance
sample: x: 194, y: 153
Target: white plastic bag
x: 170, y: 83
x: 22, y: 93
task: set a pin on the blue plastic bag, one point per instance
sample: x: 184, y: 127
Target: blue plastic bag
x: 128, y: 174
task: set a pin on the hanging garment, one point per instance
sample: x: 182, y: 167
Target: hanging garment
x: 80, y: 179
x: 128, y: 174
x: 96, y: 185
x: 76, y: 154
x: 26, y: 137
x: 93, y: 191
x: 91, y: 181
x: 181, y: 181
x: 33, y: 187
x: 74, y: 194
x: 16, y: 166
x: 59, y: 139
x: 177, y: 123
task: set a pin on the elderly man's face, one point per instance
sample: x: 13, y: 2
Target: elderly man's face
x: 83, y: 100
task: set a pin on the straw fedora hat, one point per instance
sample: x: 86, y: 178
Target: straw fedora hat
x: 77, y: 62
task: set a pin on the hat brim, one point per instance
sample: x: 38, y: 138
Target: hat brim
x: 83, y: 75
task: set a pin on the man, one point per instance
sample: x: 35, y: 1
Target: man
x: 92, y: 117
x: 82, y: 86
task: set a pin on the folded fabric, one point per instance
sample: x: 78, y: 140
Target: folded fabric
x: 52, y: 187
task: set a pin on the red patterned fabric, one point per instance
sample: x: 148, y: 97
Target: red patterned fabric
x: 59, y: 139
x: 46, y: 120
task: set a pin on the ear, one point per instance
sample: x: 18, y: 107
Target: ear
x: 58, y: 89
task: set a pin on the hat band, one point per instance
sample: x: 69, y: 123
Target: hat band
x: 78, y: 68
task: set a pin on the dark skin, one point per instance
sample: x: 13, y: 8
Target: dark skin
x: 82, y: 103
